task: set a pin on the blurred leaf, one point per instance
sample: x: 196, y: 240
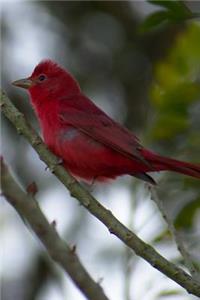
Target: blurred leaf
x: 165, y: 235
x: 169, y: 293
x: 177, y: 7
x: 154, y: 20
x: 174, y: 11
x: 177, y: 87
x: 175, y: 97
x: 42, y: 274
x: 186, y: 215
x: 169, y: 125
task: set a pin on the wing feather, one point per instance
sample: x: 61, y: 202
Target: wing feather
x: 84, y: 115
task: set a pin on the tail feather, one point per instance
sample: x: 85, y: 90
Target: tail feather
x: 164, y: 163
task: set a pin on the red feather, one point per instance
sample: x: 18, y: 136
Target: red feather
x: 91, y: 144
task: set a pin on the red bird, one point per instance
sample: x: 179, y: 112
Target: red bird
x: 91, y: 145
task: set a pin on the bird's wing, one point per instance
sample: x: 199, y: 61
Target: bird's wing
x: 84, y: 115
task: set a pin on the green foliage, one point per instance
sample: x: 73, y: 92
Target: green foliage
x: 177, y: 86
x: 171, y: 12
x: 177, y: 7
x: 153, y: 20
x: 186, y: 215
x: 176, y: 127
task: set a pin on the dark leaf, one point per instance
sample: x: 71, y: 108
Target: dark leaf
x: 177, y: 9
x: 186, y: 216
x: 171, y: 5
x: 156, y: 19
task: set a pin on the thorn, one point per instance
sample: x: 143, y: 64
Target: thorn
x: 100, y: 280
x: 54, y: 223
x: 110, y: 230
x: 32, y: 189
x: 73, y: 249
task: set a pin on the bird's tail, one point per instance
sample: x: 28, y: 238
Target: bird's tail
x: 161, y: 163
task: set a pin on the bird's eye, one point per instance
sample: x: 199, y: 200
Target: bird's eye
x: 42, y: 77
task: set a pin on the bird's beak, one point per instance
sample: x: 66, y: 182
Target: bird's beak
x: 24, y: 83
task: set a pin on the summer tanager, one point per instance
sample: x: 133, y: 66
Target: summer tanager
x: 91, y: 145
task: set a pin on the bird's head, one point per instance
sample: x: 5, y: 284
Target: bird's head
x: 48, y: 81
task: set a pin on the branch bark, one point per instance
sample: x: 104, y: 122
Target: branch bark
x: 115, y: 227
x: 59, y: 251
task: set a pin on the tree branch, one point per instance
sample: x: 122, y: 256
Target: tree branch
x: 59, y: 251
x: 176, y: 236
x: 94, y: 207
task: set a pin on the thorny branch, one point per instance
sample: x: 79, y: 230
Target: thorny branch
x: 115, y: 227
x: 176, y: 235
x: 59, y: 251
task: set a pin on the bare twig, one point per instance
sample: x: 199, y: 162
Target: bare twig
x: 94, y: 207
x: 59, y: 251
x: 176, y: 235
